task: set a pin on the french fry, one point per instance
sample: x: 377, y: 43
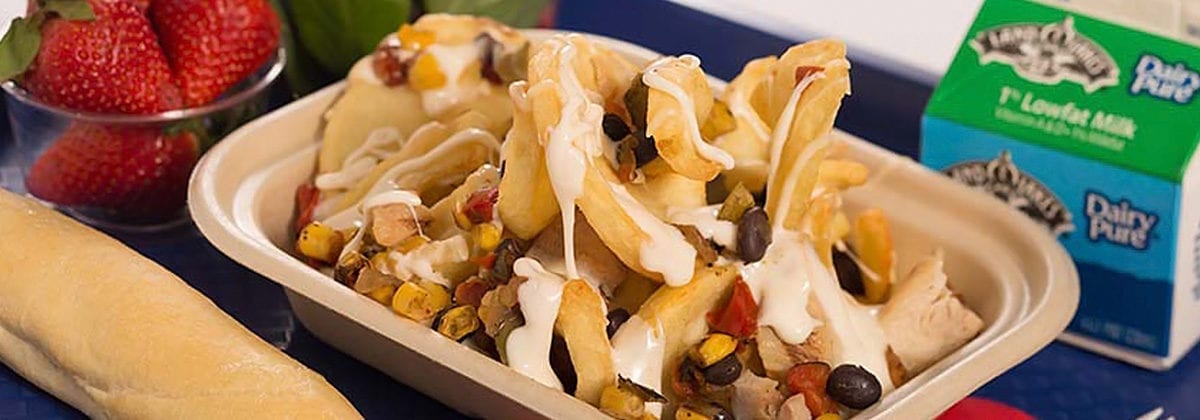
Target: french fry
x: 424, y: 139
x: 675, y: 125
x: 796, y: 156
x: 666, y: 189
x: 680, y: 311
x: 527, y: 203
x: 366, y: 105
x: 841, y: 174
x: 872, y: 238
x: 626, y: 225
x: 583, y: 325
x: 819, y: 224
x: 748, y: 142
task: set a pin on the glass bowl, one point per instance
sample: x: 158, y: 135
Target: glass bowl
x: 123, y: 171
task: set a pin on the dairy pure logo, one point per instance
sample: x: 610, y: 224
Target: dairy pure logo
x: 1048, y: 54
x: 1118, y: 222
x: 1001, y: 178
x: 1173, y: 82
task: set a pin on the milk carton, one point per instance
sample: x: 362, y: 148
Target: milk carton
x: 1090, y: 129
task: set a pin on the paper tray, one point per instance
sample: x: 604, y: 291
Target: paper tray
x: 1018, y: 278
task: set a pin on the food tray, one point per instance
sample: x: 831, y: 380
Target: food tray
x: 1015, y: 276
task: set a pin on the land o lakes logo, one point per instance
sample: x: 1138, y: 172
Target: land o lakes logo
x: 1048, y: 54
x: 1001, y: 178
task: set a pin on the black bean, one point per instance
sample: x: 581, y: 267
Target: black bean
x: 725, y: 371
x: 507, y: 254
x: 636, y: 100
x: 853, y: 386
x: 616, y: 318
x: 753, y: 234
x: 560, y: 363
x: 645, y: 150
x: 849, y: 275
x: 614, y: 127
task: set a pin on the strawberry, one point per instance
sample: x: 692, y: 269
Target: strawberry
x: 90, y: 55
x: 214, y: 44
x: 138, y: 171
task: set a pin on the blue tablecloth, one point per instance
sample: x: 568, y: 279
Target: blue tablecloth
x: 1058, y: 382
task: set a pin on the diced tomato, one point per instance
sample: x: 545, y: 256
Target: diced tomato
x: 307, y: 196
x: 478, y: 207
x: 471, y: 292
x: 739, y: 317
x: 487, y: 261
x: 809, y: 379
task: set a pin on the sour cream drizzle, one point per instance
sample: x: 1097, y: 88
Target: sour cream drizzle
x: 380, y: 143
x: 528, y: 346
x: 665, y: 251
x: 691, y: 126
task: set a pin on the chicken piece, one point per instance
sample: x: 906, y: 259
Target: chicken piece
x: 393, y: 223
x: 595, y: 262
x: 923, y: 320
x: 755, y: 397
x: 794, y: 408
x: 778, y: 356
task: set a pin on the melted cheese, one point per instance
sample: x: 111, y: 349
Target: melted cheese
x: 528, y: 347
x: 691, y: 126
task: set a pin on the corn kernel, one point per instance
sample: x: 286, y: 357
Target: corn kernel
x: 383, y: 294
x: 426, y: 74
x: 621, y: 403
x: 830, y: 416
x: 486, y: 236
x: 459, y: 322
x: 320, y: 242
x: 714, y: 348
x: 413, y: 39
x: 381, y: 260
x: 439, y: 297
x: 413, y: 302
x: 411, y: 244
x: 685, y: 413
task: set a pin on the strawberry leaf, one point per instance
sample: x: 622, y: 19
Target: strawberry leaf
x: 69, y: 9
x: 20, y: 46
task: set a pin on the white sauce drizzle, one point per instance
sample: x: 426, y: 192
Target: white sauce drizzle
x: 380, y: 143
x: 665, y: 251
x: 778, y: 138
x: 528, y: 346
x: 691, y: 126
x: 780, y: 289
x: 859, y: 338
x: 638, y: 351
x: 723, y: 232
x: 739, y: 106
x: 572, y: 143
x: 452, y: 60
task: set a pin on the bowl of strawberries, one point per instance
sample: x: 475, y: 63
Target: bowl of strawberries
x: 112, y: 102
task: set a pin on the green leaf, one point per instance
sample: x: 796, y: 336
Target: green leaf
x: 20, y: 46
x: 336, y: 33
x: 69, y: 9
x: 519, y: 13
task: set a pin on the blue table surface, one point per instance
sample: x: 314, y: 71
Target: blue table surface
x: 1058, y: 382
